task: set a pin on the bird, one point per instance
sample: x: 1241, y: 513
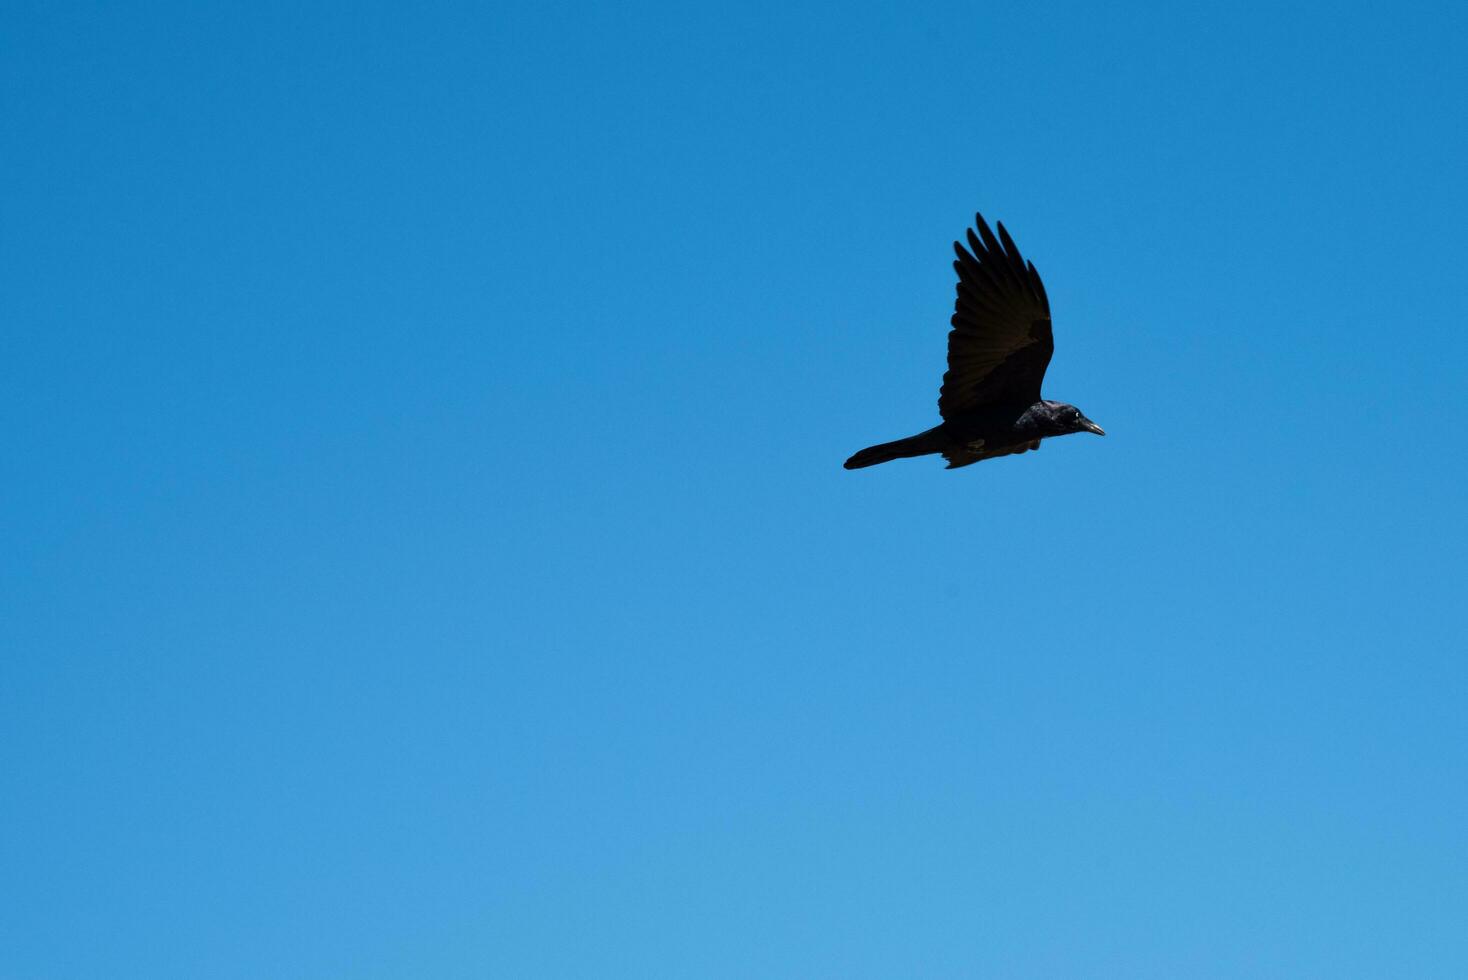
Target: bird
x: 998, y: 350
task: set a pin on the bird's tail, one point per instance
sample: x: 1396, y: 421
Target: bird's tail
x: 919, y: 445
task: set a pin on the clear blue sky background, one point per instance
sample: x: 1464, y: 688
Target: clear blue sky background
x: 426, y: 553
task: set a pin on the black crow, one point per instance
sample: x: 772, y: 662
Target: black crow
x: 998, y: 350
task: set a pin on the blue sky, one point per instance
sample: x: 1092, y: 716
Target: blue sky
x: 424, y: 549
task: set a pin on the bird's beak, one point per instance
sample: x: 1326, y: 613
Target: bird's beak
x: 1090, y: 426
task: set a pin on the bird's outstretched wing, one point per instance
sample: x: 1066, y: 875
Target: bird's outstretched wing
x: 1001, y: 342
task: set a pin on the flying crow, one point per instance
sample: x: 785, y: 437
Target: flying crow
x: 998, y: 350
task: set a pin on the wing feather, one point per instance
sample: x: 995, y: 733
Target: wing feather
x: 1001, y: 341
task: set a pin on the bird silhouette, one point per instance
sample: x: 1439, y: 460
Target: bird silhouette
x: 998, y: 350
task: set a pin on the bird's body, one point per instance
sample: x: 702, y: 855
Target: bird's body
x: 998, y: 350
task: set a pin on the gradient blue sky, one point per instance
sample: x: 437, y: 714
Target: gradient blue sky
x: 425, y: 552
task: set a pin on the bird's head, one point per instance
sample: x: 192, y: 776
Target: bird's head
x: 1070, y: 419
